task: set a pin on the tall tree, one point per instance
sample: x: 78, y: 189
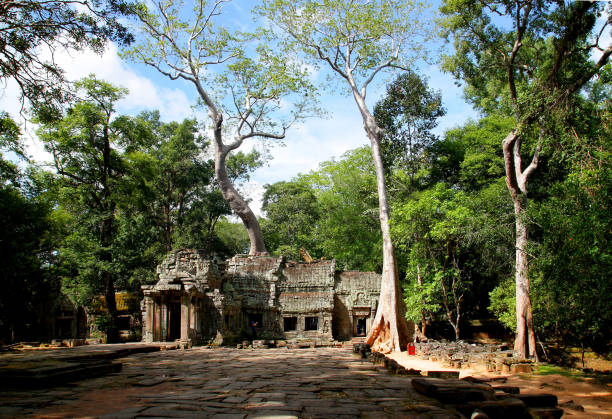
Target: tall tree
x: 357, y: 41
x: 435, y: 228
x: 408, y: 113
x: 292, y: 215
x: 27, y: 243
x: 172, y: 177
x: 349, y: 227
x: 245, y: 88
x: 85, y: 144
x: 28, y: 25
x: 10, y: 141
x: 529, y: 59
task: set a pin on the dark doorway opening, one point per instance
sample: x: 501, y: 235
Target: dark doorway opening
x: 312, y: 323
x: 255, y: 323
x: 174, y: 310
x: 289, y: 324
x: 255, y: 319
x: 360, y: 326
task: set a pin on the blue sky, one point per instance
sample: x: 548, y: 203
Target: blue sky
x: 306, y: 145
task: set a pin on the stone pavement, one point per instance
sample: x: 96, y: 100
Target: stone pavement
x: 233, y: 383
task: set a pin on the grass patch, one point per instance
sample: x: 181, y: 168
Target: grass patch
x: 549, y: 369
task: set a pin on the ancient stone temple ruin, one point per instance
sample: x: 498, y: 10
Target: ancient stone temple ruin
x: 198, y: 298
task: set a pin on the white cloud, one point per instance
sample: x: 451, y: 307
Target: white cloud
x: 144, y: 93
x: 311, y: 143
x: 305, y: 147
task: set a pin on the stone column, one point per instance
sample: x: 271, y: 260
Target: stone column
x: 147, y: 328
x: 164, y: 319
x: 197, y: 321
x: 157, y: 320
x: 185, y: 317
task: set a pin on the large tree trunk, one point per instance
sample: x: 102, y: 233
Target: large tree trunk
x: 239, y: 205
x: 524, y: 343
x: 516, y: 181
x: 389, y: 331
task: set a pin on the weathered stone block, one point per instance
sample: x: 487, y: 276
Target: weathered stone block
x: 545, y: 412
x: 521, y: 368
x: 505, y: 409
x: 538, y: 400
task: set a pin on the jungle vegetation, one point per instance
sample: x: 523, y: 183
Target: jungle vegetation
x: 507, y: 216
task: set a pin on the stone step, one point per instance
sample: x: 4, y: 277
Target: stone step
x: 546, y: 412
x: 508, y: 389
x: 451, y: 391
x: 502, y: 409
x: 57, y: 373
x: 538, y: 400
x: 441, y: 374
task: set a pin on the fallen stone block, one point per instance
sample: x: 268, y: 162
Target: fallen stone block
x: 521, y: 368
x: 452, y: 391
x: 505, y: 409
x: 441, y: 374
x: 572, y: 406
x: 508, y: 389
x: 459, y: 395
x: 546, y: 412
x: 538, y: 400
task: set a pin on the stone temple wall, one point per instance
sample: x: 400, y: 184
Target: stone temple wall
x: 355, y: 302
x: 257, y: 297
x: 306, y: 291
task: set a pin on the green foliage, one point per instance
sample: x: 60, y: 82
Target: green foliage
x: 573, y: 260
x: 170, y: 183
x: 103, y: 325
x: 240, y: 165
x: 232, y: 238
x: 331, y: 212
x: 292, y: 216
x: 422, y: 300
x: 435, y: 229
x: 483, y: 161
x: 503, y: 303
x: 26, y: 245
x: 408, y: 113
x: 349, y: 228
x: 9, y: 142
x: 29, y: 25
x: 367, y: 34
x: 553, y: 52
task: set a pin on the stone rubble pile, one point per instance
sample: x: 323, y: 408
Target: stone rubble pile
x: 469, y: 396
x: 476, y: 398
x: 486, y: 358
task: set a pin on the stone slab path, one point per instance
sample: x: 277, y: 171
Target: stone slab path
x: 233, y: 383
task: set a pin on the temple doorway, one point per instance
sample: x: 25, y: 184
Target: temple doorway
x: 360, y: 326
x: 174, y: 322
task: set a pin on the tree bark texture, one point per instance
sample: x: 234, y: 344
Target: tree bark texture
x: 525, y: 342
x: 516, y: 181
x: 389, y: 331
x: 236, y: 202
